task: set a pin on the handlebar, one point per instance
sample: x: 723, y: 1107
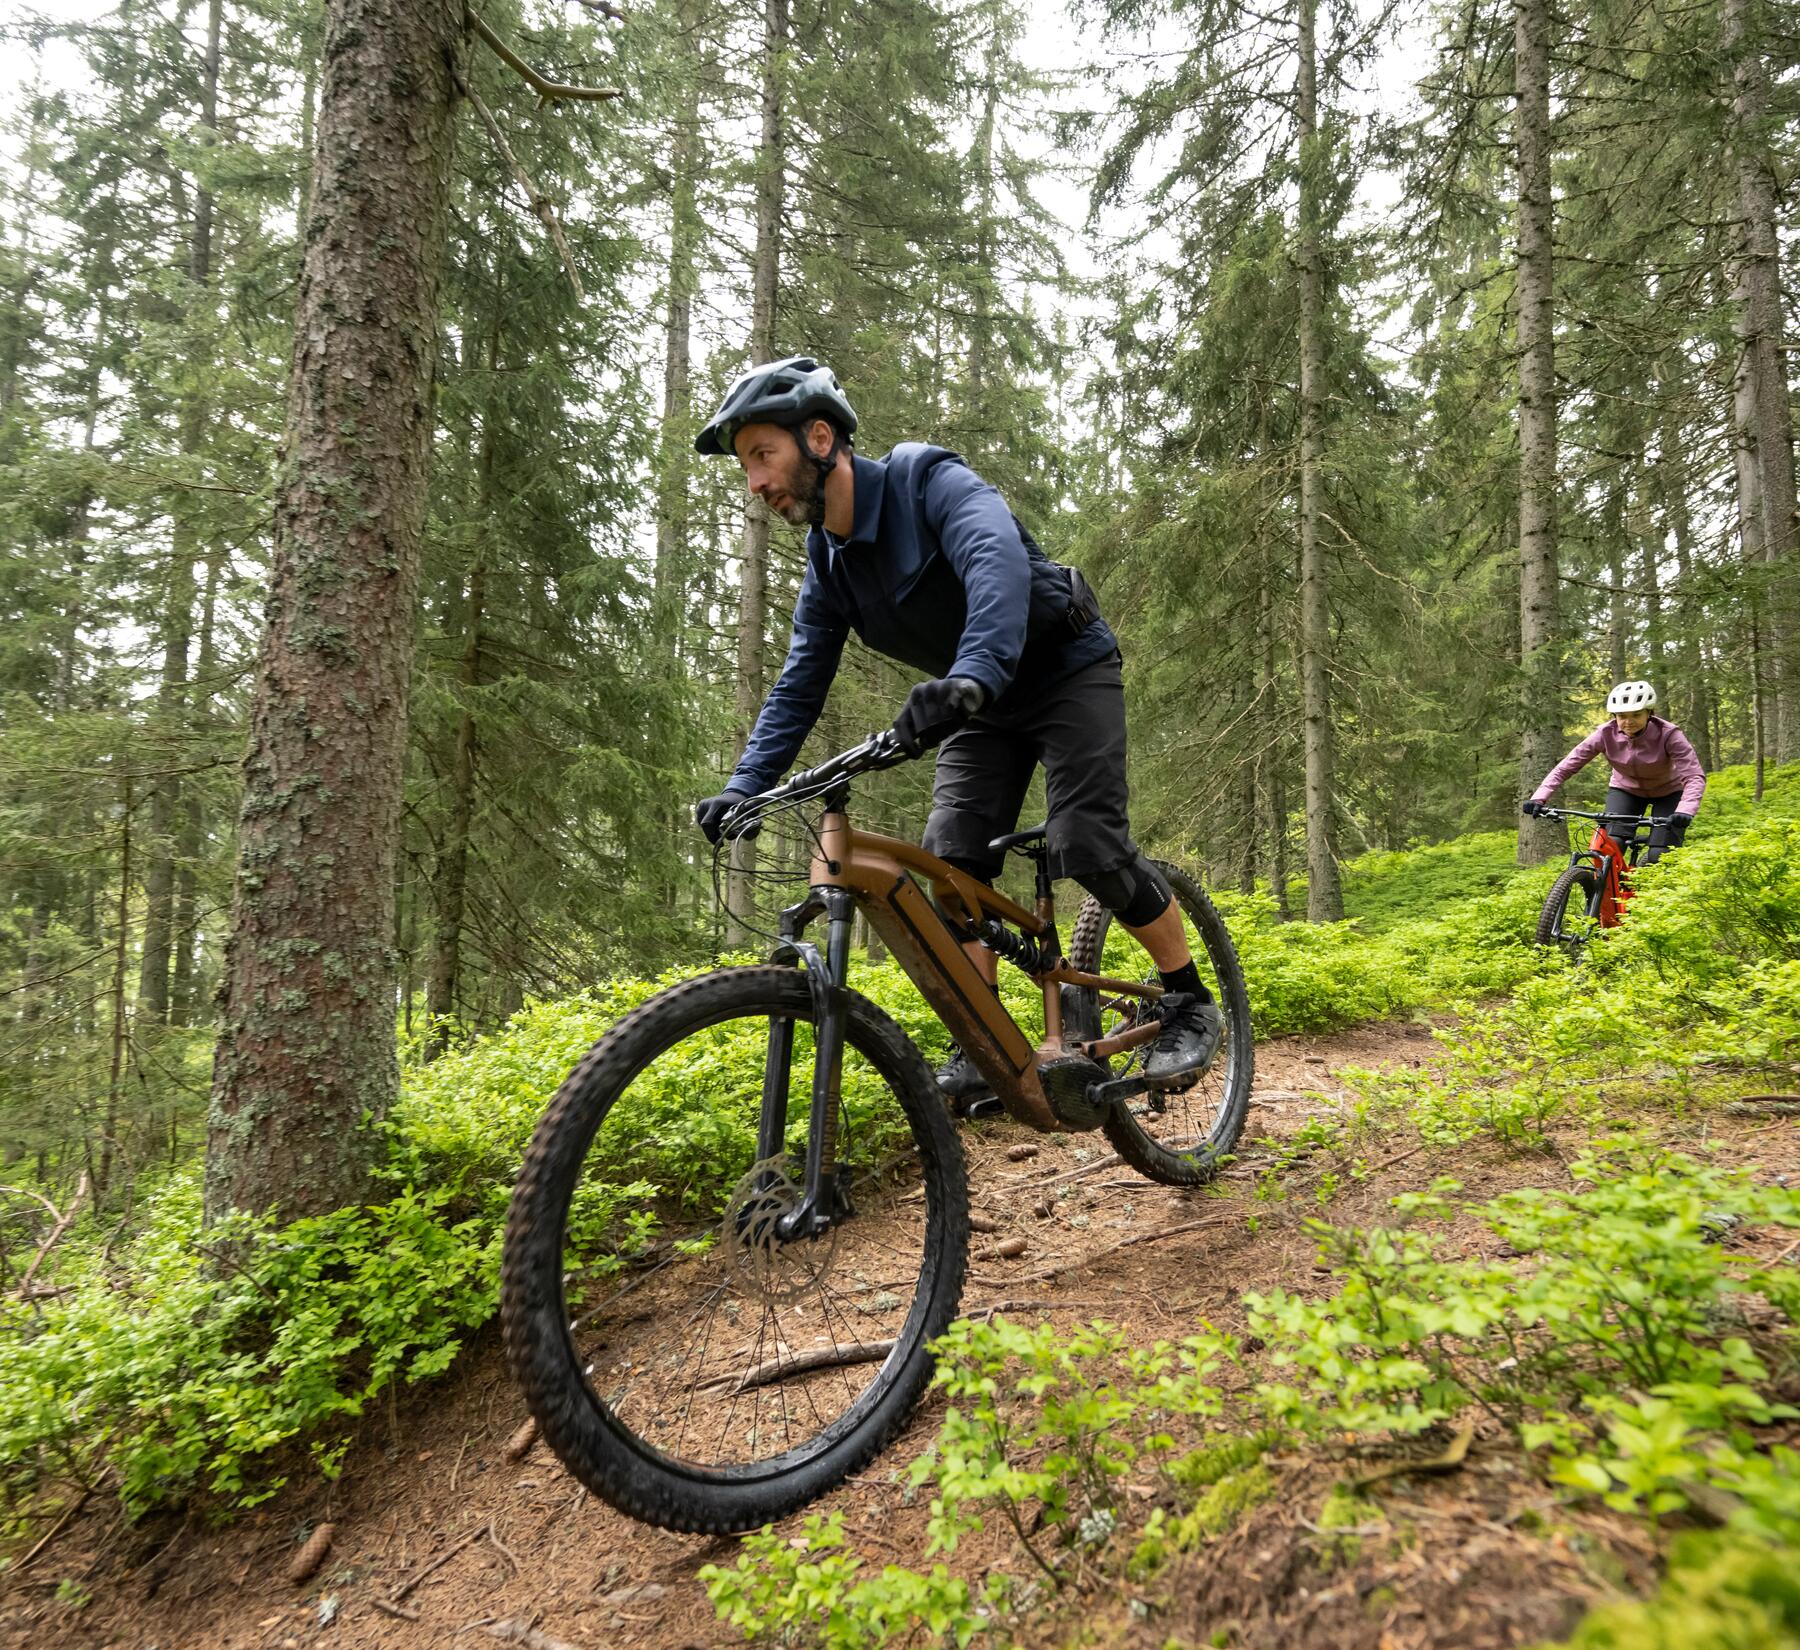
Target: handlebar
x: 879, y: 750
x: 1602, y: 819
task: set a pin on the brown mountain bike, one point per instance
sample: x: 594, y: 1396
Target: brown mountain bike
x: 745, y: 1215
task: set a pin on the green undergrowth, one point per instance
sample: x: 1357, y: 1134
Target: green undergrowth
x: 168, y: 1362
x: 1616, y: 1352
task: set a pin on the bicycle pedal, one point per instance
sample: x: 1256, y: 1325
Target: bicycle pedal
x: 977, y: 1108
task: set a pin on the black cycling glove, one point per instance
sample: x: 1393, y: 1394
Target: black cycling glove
x: 710, y: 815
x: 1680, y: 818
x: 1533, y: 807
x: 936, y: 709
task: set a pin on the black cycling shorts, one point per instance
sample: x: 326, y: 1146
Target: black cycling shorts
x: 1076, y: 728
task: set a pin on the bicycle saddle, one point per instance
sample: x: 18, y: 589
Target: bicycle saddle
x: 1019, y: 839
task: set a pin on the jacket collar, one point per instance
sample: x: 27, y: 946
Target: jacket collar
x: 865, y: 520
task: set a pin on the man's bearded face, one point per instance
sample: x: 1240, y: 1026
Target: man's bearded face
x: 780, y: 474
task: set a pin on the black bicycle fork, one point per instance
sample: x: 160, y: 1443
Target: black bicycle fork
x: 824, y: 1198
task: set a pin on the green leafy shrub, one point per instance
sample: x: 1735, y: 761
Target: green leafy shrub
x: 1619, y: 1288
x: 1720, y: 1593
x: 811, y: 1592
x: 184, y: 1372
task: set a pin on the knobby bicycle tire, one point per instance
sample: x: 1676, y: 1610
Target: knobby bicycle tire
x: 1550, y: 926
x: 1128, y: 1138
x: 618, y: 1465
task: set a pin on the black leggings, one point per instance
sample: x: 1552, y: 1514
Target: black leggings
x: 1665, y: 833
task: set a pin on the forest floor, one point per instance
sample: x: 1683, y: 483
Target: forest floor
x: 441, y: 1538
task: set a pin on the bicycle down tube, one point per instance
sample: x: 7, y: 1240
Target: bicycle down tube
x: 878, y: 872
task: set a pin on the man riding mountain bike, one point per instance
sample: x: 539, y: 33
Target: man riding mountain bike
x: 923, y: 560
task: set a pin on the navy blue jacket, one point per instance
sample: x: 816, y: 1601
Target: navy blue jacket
x: 936, y: 573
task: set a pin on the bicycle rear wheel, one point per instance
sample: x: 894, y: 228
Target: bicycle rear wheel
x: 684, y: 1363
x: 1178, y: 1137
x: 1564, y: 920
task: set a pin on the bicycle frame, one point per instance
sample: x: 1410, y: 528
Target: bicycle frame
x: 854, y: 871
x: 1608, y: 860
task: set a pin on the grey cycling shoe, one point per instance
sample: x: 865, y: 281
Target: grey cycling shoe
x: 966, y: 1089
x: 1192, y: 1030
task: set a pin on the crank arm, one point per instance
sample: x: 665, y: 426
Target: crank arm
x: 1119, y: 1090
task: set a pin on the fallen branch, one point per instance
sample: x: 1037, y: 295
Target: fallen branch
x: 1022, y: 1303
x: 1764, y: 1105
x: 56, y: 1529
x: 62, y: 1225
x: 827, y: 1356
x: 540, y: 203
x: 519, y: 1632
x: 503, y: 1550
x: 548, y: 91
x: 437, y: 1564
x: 1044, y: 1274
x: 398, y: 1610
x: 1451, y: 1458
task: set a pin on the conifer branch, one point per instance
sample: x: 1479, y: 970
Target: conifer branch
x: 548, y: 91
x: 540, y: 203
x: 605, y: 8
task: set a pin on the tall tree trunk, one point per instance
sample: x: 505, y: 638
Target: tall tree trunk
x: 1612, y: 527
x: 184, y: 988
x: 1324, y: 895
x: 306, y: 1047
x: 1767, y: 421
x: 1271, y: 782
x: 178, y: 604
x: 121, y: 1024
x: 1647, y: 535
x: 753, y: 584
x: 1539, y: 662
x: 451, y: 884
x: 1748, y: 472
x: 672, y: 527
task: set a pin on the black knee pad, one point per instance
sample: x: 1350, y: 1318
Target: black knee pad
x: 1135, y: 892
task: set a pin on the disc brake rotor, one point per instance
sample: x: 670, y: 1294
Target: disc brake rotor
x: 764, y: 1265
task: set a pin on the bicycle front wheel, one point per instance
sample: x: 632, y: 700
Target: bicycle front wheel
x: 1176, y: 1136
x: 685, y: 1363
x: 1564, y: 920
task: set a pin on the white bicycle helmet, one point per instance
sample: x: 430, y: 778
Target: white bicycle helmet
x: 1629, y: 696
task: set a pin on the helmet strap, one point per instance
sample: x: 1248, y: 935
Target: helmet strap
x: 823, y: 465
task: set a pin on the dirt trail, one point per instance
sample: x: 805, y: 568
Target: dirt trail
x: 488, y: 1547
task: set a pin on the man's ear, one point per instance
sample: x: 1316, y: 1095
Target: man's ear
x: 820, y: 436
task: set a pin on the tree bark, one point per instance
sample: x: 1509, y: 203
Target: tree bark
x: 1612, y: 526
x: 306, y: 1048
x: 450, y: 886
x: 1324, y: 895
x: 1271, y: 786
x: 1539, y: 661
x: 753, y: 583
x: 1766, y: 421
x: 178, y: 605
x: 672, y: 528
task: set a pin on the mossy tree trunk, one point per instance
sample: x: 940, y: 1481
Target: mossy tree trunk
x: 306, y: 1046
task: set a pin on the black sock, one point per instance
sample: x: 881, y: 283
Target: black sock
x: 1186, y: 978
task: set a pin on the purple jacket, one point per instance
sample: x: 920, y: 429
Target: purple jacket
x: 1651, y: 763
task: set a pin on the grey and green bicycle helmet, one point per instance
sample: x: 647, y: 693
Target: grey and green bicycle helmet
x: 787, y: 392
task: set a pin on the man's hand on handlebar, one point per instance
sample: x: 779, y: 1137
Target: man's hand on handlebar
x: 710, y: 815
x: 934, y: 710
x: 1533, y: 807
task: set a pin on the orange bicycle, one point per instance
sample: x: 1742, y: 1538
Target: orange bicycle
x: 745, y: 1215
x: 1592, y: 891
